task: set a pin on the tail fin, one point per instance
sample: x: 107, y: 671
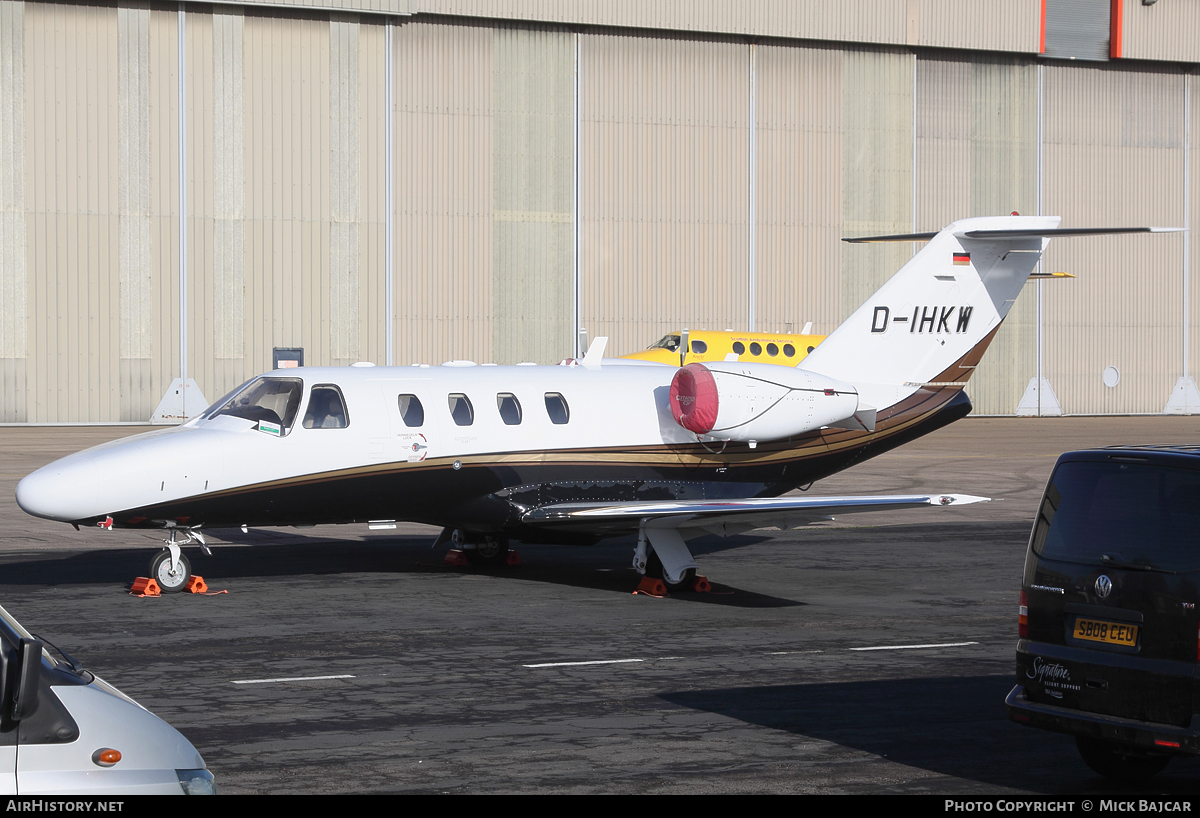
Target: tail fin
x: 932, y: 321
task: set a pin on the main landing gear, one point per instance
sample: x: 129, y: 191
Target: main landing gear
x: 662, y: 554
x: 169, y: 567
x: 481, y: 550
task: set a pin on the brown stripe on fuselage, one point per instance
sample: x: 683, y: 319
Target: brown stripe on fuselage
x: 896, y: 419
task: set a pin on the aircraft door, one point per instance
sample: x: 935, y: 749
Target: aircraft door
x: 410, y: 423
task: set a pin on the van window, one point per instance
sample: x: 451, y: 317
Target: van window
x: 411, y: 410
x: 274, y: 400
x: 556, y: 408
x: 461, y: 409
x: 510, y: 408
x: 1118, y: 514
x: 326, y: 409
x: 699, y: 347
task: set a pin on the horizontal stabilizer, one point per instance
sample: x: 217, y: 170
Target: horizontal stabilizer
x: 897, y: 237
x: 1066, y: 231
x: 1019, y: 234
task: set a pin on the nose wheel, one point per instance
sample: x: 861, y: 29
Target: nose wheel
x: 171, y: 575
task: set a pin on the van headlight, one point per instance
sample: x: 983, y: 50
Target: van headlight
x: 197, y: 782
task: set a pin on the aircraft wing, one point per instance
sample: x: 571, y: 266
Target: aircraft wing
x: 724, y: 517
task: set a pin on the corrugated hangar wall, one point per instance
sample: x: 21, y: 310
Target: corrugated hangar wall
x: 542, y: 180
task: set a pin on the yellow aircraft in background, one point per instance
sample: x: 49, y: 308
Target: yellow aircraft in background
x: 710, y: 345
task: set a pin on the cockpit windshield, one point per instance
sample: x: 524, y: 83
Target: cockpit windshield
x: 668, y: 342
x: 274, y: 400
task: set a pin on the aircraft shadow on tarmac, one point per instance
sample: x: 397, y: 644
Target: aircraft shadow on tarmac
x: 953, y: 726
x: 603, y: 567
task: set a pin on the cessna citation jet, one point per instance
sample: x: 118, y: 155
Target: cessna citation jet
x: 572, y: 454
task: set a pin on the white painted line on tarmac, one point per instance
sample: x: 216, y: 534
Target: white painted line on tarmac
x: 289, y: 679
x: 915, y: 647
x: 594, y: 662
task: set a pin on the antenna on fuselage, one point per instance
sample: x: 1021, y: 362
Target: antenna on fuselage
x: 595, y: 352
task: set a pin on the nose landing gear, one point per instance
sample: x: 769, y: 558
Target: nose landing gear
x: 170, y: 568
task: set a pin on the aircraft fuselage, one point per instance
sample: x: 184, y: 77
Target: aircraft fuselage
x: 528, y: 437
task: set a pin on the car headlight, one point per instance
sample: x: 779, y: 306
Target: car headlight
x: 197, y: 782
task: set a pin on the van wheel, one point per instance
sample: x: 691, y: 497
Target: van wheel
x: 490, y: 551
x: 1118, y: 762
x: 654, y: 570
x: 170, y: 581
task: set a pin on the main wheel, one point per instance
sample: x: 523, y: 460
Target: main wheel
x: 171, y: 581
x: 1120, y: 763
x: 492, y: 550
x: 654, y: 570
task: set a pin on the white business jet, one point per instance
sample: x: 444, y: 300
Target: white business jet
x: 572, y: 454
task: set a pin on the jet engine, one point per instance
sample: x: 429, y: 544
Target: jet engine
x: 758, y: 402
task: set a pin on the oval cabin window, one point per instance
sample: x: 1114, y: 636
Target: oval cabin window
x: 411, y: 410
x: 556, y: 408
x: 510, y: 408
x: 461, y: 409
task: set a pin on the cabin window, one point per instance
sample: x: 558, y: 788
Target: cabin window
x: 772, y: 350
x: 756, y: 348
x: 810, y: 349
x: 739, y: 347
x: 789, y: 350
x: 699, y: 347
x: 510, y: 408
x: 411, y: 410
x: 461, y: 409
x: 556, y: 408
x: 270, y: 400
x: 326, y: 408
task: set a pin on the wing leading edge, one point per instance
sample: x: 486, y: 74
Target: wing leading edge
x: 726, y: 517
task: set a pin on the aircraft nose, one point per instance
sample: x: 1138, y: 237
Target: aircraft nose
x: 63, y: 491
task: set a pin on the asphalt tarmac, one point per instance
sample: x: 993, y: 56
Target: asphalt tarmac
x: 866, y: 655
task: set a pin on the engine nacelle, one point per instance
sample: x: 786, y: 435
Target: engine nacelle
x: 753, y: 402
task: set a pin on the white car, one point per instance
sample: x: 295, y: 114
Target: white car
x: 65, y: 731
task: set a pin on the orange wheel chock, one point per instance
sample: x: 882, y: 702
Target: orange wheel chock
x: 455, y: 556
x: 702, y: 585
x: 512, y: 559
x: 196, y: 585
x: 144, y: 587
x: 652, y: 587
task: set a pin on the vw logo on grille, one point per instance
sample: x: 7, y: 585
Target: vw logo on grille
x: 1103, y: 586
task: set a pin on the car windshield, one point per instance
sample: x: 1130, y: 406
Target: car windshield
x: 1127, y: 515
x: 274, y: 400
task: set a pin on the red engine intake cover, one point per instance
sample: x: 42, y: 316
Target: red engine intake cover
x: 694, y: 398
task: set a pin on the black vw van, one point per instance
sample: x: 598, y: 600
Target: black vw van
x: 1109, y: 626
